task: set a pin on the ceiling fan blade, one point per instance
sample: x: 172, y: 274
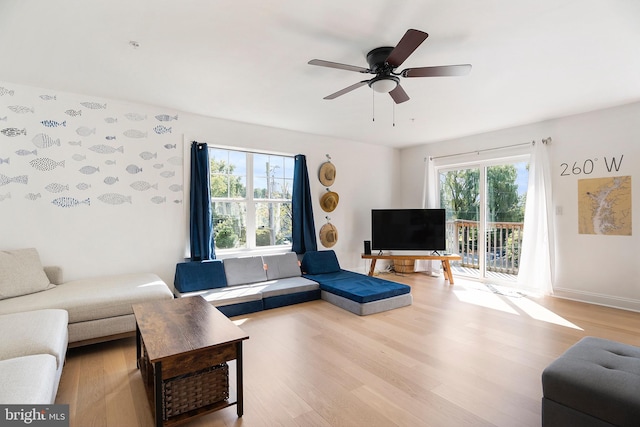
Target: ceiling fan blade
x: 399, y: 95
x: 337, y: 65
x: 409, y: 42
x: 440, y: 71
x: 346, y: 90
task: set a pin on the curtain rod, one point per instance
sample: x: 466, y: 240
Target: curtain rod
x: 544, y: 141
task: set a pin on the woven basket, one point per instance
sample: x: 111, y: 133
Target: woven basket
x: 192, y: 391
x: 404, y: 265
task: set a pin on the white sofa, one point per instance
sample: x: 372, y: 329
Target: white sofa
x: 99, y: 308
x: 32, y: 354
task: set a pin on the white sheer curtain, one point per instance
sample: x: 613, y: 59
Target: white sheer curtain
x: 430, y: 200
x: 537, y: 257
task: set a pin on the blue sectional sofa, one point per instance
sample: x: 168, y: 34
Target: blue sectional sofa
x: 237, y: 286
x: 355, y: 292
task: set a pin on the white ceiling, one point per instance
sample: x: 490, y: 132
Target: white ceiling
x: 246, y: 60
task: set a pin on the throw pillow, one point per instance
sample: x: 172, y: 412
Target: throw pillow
x: 21, y: 273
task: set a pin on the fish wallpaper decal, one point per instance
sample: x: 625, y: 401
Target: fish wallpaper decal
x: 39, y: 138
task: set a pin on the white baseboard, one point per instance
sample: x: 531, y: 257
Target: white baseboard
x: 599, y: 299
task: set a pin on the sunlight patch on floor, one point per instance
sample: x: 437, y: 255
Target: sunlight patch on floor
x: 515, y: 302
x: 538, y: 312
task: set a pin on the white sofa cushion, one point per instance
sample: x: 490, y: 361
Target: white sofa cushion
x: 34, y: 332
x: 21, y: 273
x: 28, y: 380
x: 94, y: 298
x: 286, y: 286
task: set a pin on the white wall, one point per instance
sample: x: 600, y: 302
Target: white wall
x: 149, y: 232
x: 598, y: 269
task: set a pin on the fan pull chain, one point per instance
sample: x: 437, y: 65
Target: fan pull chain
x: 394, y: 113
x: 373, y: 106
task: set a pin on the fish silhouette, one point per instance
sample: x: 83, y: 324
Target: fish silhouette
x: 26, y: 152
x: 110, y: 120
x: 146, y: 155
x: 5, y: 197
x: 75, y: 143
x: 56, y: 187
x: 21, y: 179
x: 168, y: 174
x: 5, y: 91
x: 48, y: 97
x: 21, y: 109
x: 78, y: 157
x: 134, y: 133
x: 175, y: 187
x: 109, y: 138
x: 83, y: 186
x: 94, y: 105
x: 3, y: 119
x: 166, y: 117
x: 70, y: 202
x: 110, y: 180
x: 114, y: 198
x: 109, y: 162
x: 53, y: 123
x: 6, y: 161
x: 158, y: 199
x: 88, y: 170
x: 161, y: 129
x: 158, y: 166
x: 143, y: 186
x: 33, y: 196
x: 13, y: 131
x: 170, y: 146
x: 73, y: 113
x: 45, y: 164
x: 132, y: 169
x: 85, y: 131
x: 105, y: 149
x: 135, y: 117
x: 43, y: 140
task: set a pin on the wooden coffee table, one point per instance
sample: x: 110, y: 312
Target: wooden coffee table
x: 182, y: 349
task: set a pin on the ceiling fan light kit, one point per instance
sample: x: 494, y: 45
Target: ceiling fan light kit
x: 383, y: 62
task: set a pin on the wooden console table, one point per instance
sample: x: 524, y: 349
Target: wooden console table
x: 446, y: 266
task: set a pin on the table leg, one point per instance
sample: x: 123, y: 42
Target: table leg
x: 138, y: 346
x: 157, y: 389
x: 446, y: 266
x: 372, y: 269
x: 240, y: 400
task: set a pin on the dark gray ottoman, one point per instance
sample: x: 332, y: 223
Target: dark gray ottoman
x: 596, y: 382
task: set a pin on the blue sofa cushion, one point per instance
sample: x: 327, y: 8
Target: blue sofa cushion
x: 320, y: 262
x: 199, y: 275
x: 358, y: 287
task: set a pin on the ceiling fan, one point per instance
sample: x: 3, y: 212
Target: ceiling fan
x: 383, y: 62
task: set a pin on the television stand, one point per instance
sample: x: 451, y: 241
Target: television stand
x: 446, y: 266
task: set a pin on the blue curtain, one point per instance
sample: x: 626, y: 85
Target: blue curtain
x: 201, y: 225
x: 303, y: 235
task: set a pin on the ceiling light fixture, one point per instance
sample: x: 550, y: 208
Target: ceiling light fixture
x: 384, y: 84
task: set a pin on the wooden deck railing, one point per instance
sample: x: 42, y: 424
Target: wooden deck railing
x: 504, y: 241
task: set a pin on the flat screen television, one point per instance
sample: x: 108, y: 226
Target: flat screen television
x: 408, y: 229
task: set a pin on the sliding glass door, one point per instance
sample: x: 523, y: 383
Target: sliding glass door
x: 485, y: 203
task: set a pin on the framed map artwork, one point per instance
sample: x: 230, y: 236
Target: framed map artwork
x: 604, y: 206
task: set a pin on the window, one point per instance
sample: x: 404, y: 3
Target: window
x: 250, y: 199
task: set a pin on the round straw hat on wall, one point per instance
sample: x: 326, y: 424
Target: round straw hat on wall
x: 328, y: 235
x: 329, y: 201
x: 327, y: 174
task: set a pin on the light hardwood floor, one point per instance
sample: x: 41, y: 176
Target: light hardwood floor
x: 459, y: 356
